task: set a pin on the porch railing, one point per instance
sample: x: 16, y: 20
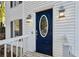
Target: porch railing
x: 17, y: 42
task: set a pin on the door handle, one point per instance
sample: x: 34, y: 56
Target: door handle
x: 36, y: 32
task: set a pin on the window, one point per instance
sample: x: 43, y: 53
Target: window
x: 14, y: 3
x: 20, y: 2
x: 43, y: 26
x: 11, y: 26
x: 11, y: 4
x: 18, y: 27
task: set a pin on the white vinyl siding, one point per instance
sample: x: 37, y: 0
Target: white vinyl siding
x: 67, y: 26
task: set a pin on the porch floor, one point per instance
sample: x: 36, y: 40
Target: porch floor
x: 35, y: 54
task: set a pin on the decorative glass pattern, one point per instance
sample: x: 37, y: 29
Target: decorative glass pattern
x: 43, y: 26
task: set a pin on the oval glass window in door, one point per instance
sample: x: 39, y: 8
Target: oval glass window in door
x: 43, y: 25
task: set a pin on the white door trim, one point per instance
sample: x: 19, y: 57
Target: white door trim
x: 38, y: 9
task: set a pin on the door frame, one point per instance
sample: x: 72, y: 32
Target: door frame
x: 39, y: 9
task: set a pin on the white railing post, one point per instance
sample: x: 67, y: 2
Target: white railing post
x: 21, y: 48
x: 17, y: 48
x: 5, y: 50
x: 11, y: 50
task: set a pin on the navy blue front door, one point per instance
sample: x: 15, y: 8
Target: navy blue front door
x: 44, y: 32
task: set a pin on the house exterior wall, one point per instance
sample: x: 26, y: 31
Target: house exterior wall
x: 15, y: 13
x: 62, y: 27
x: 77, y: 28
x: 65, y: 27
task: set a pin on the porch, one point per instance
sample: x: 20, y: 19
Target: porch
x: 13, y: 47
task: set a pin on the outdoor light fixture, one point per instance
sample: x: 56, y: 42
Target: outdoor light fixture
x: 29, y: 20
x: 61, y: 12
x: 28, y: 17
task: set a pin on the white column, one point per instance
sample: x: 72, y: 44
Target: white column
x: 17, y: 48
x: 21, y: 52
x: 5, y: 50
x: 11, y: 50
x: 21, y: 48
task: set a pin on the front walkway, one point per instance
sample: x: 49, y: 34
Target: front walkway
x: 35, y: 54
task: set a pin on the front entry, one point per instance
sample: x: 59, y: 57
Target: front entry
x: 44, y: 39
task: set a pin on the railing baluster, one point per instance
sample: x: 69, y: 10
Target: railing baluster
x: 21, y: 49
x: 5, y: 50
x: 17, y: 48
x: 11, y: 50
